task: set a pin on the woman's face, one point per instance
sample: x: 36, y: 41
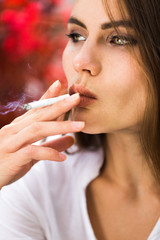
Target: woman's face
x: 95, y: 59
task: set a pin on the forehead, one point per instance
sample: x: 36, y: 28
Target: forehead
x: 97, y: 9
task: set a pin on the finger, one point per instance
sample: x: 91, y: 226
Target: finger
x: 21, y: 161
x: 53, y: 91
x: 60, y: 144
x: 8, y: 130
x: 57, y: 109
x: 49, y: 113
x: 61, y: 118
x: 37, y: 153
x: 40, y: 130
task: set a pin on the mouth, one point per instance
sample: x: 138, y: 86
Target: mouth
x: 86, y: 96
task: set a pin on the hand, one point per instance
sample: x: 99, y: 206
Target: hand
x: 17, y: 152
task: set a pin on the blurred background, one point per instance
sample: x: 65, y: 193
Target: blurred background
x: 32, y: 40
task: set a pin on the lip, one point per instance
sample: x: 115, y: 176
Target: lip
x: 86, y: 96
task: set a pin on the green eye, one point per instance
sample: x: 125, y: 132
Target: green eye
x: 123, y: 40
x: 117, y: 41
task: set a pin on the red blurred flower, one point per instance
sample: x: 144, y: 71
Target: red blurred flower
x: 13, y: 3
x: 56, y: 2
x: 31, y: 46
x: 21, y: 38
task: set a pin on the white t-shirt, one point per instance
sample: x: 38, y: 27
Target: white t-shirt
x: 49, y: 202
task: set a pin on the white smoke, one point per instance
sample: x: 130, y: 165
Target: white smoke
x: 13, y: 105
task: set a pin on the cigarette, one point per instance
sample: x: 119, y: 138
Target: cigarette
x: 44, y: 103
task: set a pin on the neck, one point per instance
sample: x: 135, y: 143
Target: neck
x: 126, y: 164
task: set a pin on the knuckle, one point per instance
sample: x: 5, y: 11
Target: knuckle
x: 29, y: 151
x: 6, y: 129
x: 68, y: 126
x: 17, y: 119
x: 62, y: 104
x: 38, y: 115
x: 35, y: 128
x: 64, y: 127
x: 51, y: 154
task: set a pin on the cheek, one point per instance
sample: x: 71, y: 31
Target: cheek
x: 67, y: 61
x: 122, y: 74
x: 125, y: 90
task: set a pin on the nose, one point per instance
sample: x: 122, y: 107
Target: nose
x: 87, y: 60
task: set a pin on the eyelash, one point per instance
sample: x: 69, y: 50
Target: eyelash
x: 128, y: 39
x: 72, y: 36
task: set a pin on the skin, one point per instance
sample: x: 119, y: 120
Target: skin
x: 125, y: 191
x: 18, y: 155
x: 109, y: 71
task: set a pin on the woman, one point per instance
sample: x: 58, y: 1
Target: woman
x: 109, y: 188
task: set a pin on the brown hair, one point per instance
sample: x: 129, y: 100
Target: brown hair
x: 145, y: 19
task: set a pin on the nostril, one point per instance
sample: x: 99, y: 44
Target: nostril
x: 86, y: 70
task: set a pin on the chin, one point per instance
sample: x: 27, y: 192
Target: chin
x: 91, y: 128
x: 93, y: 125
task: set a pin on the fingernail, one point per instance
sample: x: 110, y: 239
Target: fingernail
x: 78, y: 125
x: 54, y: 85
x: 62, y: 156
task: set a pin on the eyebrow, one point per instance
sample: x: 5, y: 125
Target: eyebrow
x: 104, y: 26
